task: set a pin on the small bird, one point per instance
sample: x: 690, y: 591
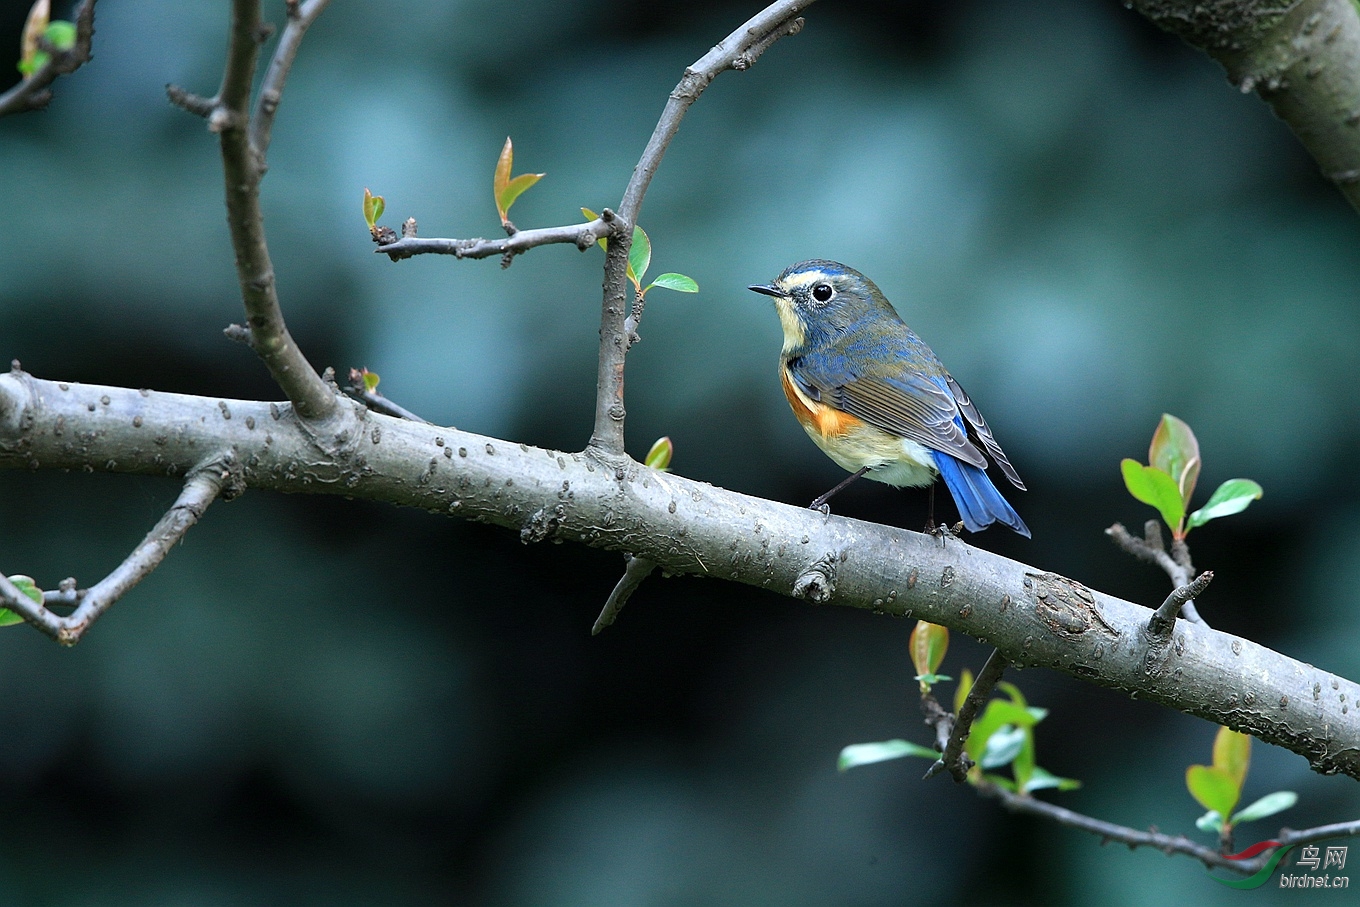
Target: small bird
x: 876, y: 399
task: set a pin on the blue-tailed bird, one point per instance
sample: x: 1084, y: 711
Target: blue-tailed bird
x: 876, y: 399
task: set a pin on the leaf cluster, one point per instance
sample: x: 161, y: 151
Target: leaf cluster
x: 1168, y: 481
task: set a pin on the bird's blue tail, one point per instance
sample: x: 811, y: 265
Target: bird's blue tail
x: 979, y: 503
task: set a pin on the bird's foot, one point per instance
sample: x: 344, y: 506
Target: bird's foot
x: 945, y: 532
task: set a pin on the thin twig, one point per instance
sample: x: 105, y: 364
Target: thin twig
x: 300, y: 18
x: 34, y: 92
x: 1164, y: 618
x: 376, y: 401
x: 636, y: 570
x: 1108, y: 831
x: 738, y: 51
x: 1167, y: 844
x: 200, y: 489
x: 940, y: 720
x: 954, y: 757
x: 243, y: 166
x: 1151, y: 548
x: 583, y: 236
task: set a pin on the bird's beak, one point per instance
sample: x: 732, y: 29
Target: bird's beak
x: 768, y: 290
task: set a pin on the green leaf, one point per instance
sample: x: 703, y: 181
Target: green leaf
x: 1152, y: 486
x: 1003, y: 745
x: 1268, y: 805
x: 672, y: 281
x: 1001, y: 781
x: 1013, y: 692
x: 1213, y: 787
x: 373, y: 208
x: 505, y: 189
x: 1233, y: 496
x: 994, y: 716
x: 501, y: 178
x: 659, y: 457
x: 1175, y: 451
x: 1043, y: 779
x: 61, y: 35
x: 961, y: 692
x: 932, y: 679
x: 1022, y: 767
x: 31, y: 57
x: 639, y: 255
x: 25, y: 585
x: 928, y: 643
x: 371, y: 380
x: 32, y: 63
x: 867, y: 753
x: 1211, y: 822
x: 1232, y: 753
x: 514, y: 189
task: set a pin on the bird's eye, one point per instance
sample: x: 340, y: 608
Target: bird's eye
x: 822, y: 292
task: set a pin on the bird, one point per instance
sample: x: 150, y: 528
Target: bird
x: 876, y: 399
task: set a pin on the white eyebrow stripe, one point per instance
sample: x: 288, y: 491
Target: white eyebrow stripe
x: 803, y: 279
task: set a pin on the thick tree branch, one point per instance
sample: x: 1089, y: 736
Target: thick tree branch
x: 34, y: 93
x: 1034, y: 618
x: 1301, y: 57
x: 243, y: 166
x: 202, y: 486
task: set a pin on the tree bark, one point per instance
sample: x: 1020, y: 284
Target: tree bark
x: 1033, y: 617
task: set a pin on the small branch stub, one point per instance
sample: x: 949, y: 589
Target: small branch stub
x: 1164, y: 619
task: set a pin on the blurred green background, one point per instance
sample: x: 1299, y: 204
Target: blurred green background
x: 317, y: 701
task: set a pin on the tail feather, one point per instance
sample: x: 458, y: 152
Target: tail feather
x: 979, y: 503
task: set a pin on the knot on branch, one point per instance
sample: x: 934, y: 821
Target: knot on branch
x: 1065, y: 606
x: 818, y: 582
x: 542, y: 524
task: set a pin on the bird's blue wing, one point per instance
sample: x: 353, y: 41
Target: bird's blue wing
x: 897, y: 385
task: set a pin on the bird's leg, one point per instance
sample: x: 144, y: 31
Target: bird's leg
x: 820, y: 503
x: 930, y: 509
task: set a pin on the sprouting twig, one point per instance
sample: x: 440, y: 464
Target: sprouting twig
x: 739, y: 51
x: 583, y: 236
x: 35, y: 92
x: 376, y: 401
x: 200, y: 489
x: 1167, y: 844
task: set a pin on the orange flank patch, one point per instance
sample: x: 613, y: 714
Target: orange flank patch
x: 824, y: 420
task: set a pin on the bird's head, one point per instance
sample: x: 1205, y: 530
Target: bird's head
x: 819, y: 299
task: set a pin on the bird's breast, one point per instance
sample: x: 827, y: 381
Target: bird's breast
x: 853, y: 443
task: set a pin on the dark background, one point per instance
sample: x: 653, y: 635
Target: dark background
x: 317, y: 701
